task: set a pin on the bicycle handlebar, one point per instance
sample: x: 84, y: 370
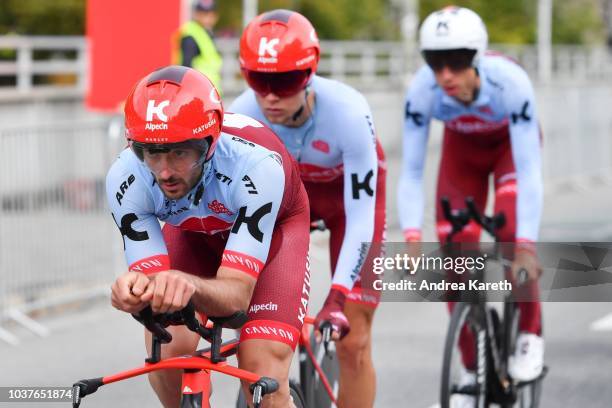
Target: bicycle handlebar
x: 157, y: 323
x: 462, y: 217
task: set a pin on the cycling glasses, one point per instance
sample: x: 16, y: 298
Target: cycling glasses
x: 279, y: 83
x: 455, y: 60
x: 175, y: 149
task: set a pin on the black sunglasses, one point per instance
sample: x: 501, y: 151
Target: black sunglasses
x: 455, y: 60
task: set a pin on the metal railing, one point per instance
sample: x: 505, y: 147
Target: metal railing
x: 62, y: 61
x: 41, y: 66
x: 57, y: 241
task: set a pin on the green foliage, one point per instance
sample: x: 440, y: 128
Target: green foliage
x: 42, y: 17
x: 508, y: 21
x: 339, y: 19
x: 577, y: 22
x: 574, y: 21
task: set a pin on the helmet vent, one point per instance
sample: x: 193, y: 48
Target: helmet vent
x: 172, y: 73
x: 277, y: 15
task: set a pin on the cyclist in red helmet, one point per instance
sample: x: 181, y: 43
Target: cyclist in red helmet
x: 327, y: 126
x: 236, y: 224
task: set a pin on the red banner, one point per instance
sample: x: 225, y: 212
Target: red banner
x: 127, y: 39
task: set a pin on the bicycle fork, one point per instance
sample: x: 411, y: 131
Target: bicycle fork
x: 195, y: 388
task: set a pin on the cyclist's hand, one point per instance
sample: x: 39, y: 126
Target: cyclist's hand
x: 127, y: 290
x: 332, y: 312
x: 526, y: 259
x: 169, y: 291
x: 413, y: 248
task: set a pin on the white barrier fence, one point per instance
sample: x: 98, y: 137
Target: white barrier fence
x: 57, y: 239
x: 365, y: 64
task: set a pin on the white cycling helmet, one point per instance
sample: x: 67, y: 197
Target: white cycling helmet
x: 454, y: 28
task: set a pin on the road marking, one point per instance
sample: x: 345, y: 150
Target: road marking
x: 435, y: 406
x: 603, y: 324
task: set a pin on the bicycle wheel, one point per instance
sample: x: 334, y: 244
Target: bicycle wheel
x: 527, y: 394
x: 315, y: 393
x: 295, y: 391
x: 452, y: 365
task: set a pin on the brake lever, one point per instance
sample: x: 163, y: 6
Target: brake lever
x: 326, y: 335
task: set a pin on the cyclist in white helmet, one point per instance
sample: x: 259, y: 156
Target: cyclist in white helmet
x: 487, y: 104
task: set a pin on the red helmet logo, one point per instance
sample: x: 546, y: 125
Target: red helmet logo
x: 157, y: 110
x: 279, y: 41
x: 173, y: 105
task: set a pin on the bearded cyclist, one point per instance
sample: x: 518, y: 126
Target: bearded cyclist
x: 487, y: 104
x: 327, y: 127
x: 236, y: 224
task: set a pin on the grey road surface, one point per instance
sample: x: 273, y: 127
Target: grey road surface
x: 96, y: 340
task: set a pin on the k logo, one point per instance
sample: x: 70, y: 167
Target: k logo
x: 362, y: 185
x: 157, y: 111
x: 416, y: 117
x: 252, y: 221
x: 127, y: 231
x: 267, y: 47
x: 442, y: 28
x: 522, y: 115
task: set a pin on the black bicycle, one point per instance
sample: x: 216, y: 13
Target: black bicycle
x: 494, y: 337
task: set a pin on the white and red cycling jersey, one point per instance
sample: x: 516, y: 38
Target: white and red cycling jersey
x: 249, y: 211
x: 504, y: 108
x: 342, y: 165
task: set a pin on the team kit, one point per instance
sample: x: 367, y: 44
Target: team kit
x: 239, y: 187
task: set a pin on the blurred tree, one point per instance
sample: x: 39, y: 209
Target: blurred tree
x: 606, y: 8
x: 574, y: 21
x: 42, y: 17
x: 578, y: 22
x: 339, y: 19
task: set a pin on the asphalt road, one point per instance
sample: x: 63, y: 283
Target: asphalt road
x: 95, y: 340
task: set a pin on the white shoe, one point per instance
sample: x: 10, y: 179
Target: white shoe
x: 464, y: 400
x: 527, y: 362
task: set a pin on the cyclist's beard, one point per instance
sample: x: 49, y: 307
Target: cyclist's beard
x: 175, y: 187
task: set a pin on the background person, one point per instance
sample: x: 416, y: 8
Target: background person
x: 487, y: 104
x: 327, y: 126
x: 195, y: 46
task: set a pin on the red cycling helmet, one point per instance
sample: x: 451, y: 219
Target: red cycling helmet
x: 171, y: 107
x: 279, y: 52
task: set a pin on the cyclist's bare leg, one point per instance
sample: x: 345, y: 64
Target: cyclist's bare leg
x: 167, y: 383
x: 357, y: 376
x: 270, y: 359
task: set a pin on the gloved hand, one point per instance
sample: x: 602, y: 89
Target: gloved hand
x: 526, y: 258
x: 332, y: 312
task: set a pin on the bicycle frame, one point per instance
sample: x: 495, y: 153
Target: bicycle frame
x: 481, y: 319
x: 196, y: 367
x: 305, y: 347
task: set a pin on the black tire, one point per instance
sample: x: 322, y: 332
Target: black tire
x: 527, y: 394
x: 452, y: 363
x: 241, y: 401
x: 295, y: 392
